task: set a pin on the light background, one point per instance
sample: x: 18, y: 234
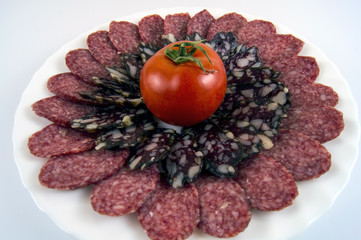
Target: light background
x: 31, y: 31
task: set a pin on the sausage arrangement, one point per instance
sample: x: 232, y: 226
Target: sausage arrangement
x: 266, y: 135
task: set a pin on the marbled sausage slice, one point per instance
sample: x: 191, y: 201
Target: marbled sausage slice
x: 124, y: 36
x: 312, y: 94
x: 200, y: 23
x: 224, y: 208
x: 67, y: 86
x: 254, y: 30
x: 83, y: 64
x: 267, y: 184
x: 60, y: 111
x: 124, y: 192
x: 176, y: 24
x: 151, y: 29
x: 54, y: 140
x: 280, y: 46
x: 170, y: 213
x: 74, y: 171
x: 322, y: 123
x: 304, y: 157
x: 297, y: 70
x: 103, y: 50
x: 229, y: 22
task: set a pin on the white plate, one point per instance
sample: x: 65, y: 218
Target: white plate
x: 71, y: 210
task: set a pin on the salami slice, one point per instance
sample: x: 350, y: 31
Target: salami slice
x: 83, y: 64
x: 200, y: 23
x: 169, y: 213
x: 60, y: 111
x: 151, y: 29
x: 124, y: 192
x: 304, y: 157
x: 54, y: 140
x: 280, y: 46
x: 229, y: 22
x: 256, y: 29
x: 67, y: 86
x: 312, y: 94
x: 296, y: 70
x: 124, y: 36
x: 267, y: 184
x: 224, y: 210
x: 103, y: 50
x: 322, y: 123
x: 78, y: 170
x: 176, y: 24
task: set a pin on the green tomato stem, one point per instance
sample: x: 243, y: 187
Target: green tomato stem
x: 185, y: 54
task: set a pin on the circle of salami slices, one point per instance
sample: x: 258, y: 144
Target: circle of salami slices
x: 266, y: 135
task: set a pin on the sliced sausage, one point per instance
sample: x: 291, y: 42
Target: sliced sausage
x: 60, y: 111
x: 78, y: 170
x: 322, y: 123
x: 54, y: 140
x: 67, y: 86
x: 103, y: 50
x: 124, y: 36
x: 170, y: 213
x: 304, y: 157
x: 176, y: 24
x: 229, y: 22
x: 83, y: 64
x: 224, y: 208
x: 124, y: 192
x: 200, y: 23
x: 151, y: 29
x: 267, y: 184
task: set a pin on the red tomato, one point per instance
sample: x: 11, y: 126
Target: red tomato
x: 183, y: 94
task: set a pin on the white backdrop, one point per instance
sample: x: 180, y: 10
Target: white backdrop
x: 30, y: 31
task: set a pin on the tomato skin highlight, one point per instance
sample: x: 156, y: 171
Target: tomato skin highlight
x: 182, y: 94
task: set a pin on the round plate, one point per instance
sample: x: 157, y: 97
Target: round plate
x: 72, y: 211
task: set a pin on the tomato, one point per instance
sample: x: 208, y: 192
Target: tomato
x: 183, y: 94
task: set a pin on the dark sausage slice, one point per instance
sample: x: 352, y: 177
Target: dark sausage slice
x: 224, y: 208
x: 78, y: 170
x: 83, y: 64
x: 267, y: 184
x: 124, y: 36
x: 304, y: 157
x: 229, y: 22
x: 170, y: 213
x: 151, y: 29
x: 322, y: 123
x: 60, y: 111
x: 124, y: 192
x: 200, y: 23
x: 103, y: 49
x: 54, y: 140
x: 67, y: 86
